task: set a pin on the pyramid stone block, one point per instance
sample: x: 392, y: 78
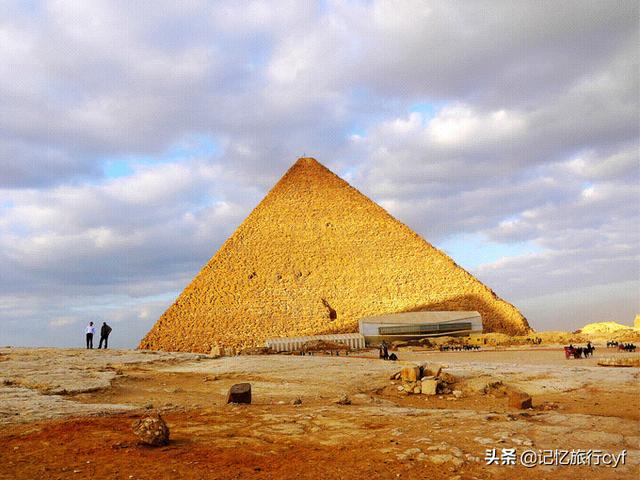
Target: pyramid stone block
x: 312, y: 258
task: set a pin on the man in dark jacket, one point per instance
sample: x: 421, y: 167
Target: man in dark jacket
x: 104, y: 334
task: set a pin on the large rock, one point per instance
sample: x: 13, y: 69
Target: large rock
x: 429, y: 386
x: 431, y: 370
x: 239, y: 393
x: 519, y: 399
x: 410, y: 374
x: 151, y: 430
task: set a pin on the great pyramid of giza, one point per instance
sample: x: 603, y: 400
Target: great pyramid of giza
x: 312, y: 258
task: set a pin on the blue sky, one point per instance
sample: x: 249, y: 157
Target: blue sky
x: 135, y: 137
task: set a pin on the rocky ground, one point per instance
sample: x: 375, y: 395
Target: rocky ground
x: 69, y: 414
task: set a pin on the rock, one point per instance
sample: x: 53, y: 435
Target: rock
x: 239, y: 393
x: 395, y: 376
x: 519, y: 399
x: 457, y: 393
x: 417, y: 388
x: 447, y: 378
x: 400, y: 388
x: 445, y: 458
x: 429, y: 387
x: 431, y: 370
x: 409, y: 386
x: 344, y: 400
x: 297, y: 401
x: 456, y: 451
x: 216, y: 351
x: 410, y: 452
x: 410, y: 374
x: 151, y: 430
x: 148, y: 406
x: 483, y: 440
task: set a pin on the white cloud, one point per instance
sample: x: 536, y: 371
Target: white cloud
x: 62, y: 321
x: 528, y: 134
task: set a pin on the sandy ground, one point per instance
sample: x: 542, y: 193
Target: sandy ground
x: 68, y: 414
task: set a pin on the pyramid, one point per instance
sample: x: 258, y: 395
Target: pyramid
x: 312, y: 258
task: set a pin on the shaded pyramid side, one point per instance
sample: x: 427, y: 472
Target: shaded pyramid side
x: 313, y: 257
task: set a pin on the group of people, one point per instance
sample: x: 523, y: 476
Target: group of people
x: 447, y: 348
x: 578, y: 352
x: 90, y: 331
x: 627, y: 347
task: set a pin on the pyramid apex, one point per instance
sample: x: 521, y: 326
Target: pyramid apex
x: 307, y: 161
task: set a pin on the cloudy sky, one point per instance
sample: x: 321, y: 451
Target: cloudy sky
x: 135, y: 137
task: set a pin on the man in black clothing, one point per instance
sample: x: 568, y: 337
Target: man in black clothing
x: 104, y: 334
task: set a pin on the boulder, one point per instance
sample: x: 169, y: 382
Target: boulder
x: 431, y: 370
x: 447, y: 378
x: 519, y: 399
x: 151, y: 430
x: 429, y: 386
x: 410, y: 374
x: 239, y: 393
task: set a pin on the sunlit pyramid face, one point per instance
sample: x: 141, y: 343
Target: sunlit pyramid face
x: 314, y: 257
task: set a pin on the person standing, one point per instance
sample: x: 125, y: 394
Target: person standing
x: 105, y: 330
x: 90, y: 330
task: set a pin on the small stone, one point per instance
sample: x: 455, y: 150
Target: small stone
x: 483, y: 441
x: 519, y: 399
x: 457, y: 393
x: 410, y: 452
x: 297, y: 401
x: 447, y: 378
x: 148, y: 406
x: 239, y: 393
x: 344, y: 400
x: 456, y: 451
x: 441, y: 458
x: 151, y: 430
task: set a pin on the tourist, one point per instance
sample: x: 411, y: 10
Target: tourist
x: 90, y: 330
x: 104, y: 335
x: 385, y: 350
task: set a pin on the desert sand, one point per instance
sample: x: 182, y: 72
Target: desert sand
x: 68, y: 414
